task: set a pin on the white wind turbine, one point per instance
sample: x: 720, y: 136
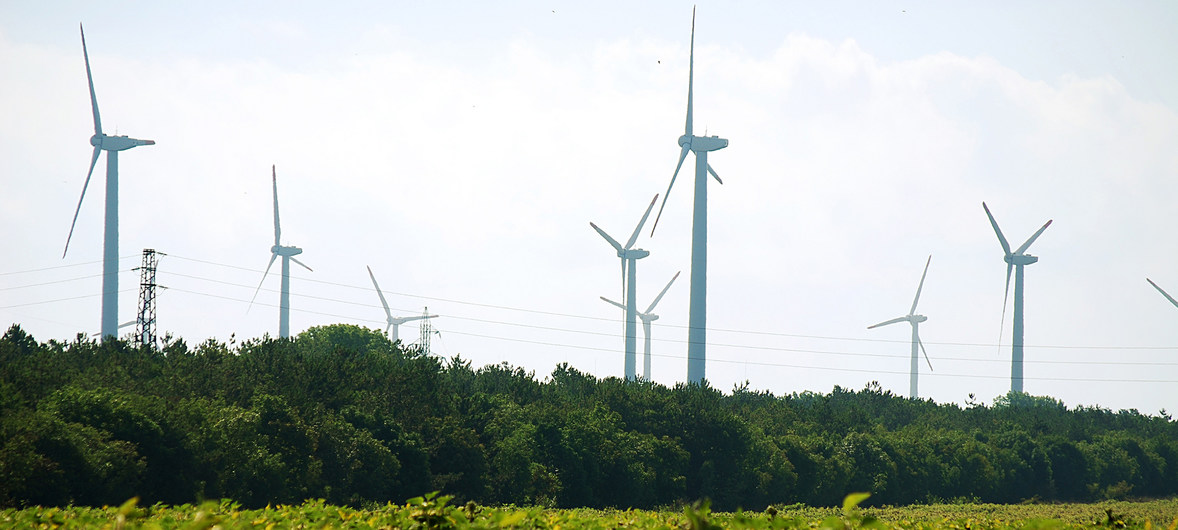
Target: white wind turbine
x: 629, y: 257
x: 110, y: 243
x: 288, y: 254
x: 915, y: 320
x: 393, y: 322
x: 701, y: 146
x: 1164, y: 293
x: 1015, y: 260
x: 647, y: 317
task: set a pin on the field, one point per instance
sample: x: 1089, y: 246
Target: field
x: 437, y: 512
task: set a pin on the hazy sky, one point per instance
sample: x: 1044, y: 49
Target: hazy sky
x: 461, y: 151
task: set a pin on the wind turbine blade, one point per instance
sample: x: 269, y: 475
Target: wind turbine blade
x: 690, y: 74
x: 714, y: 175
x: 303, y: 264
x: 613, y: 303
x: 613, y: 242
x: 892, y: 321
x: 380, y: 294
x: 93, y: 161
x: 90, y: 78
x: 1005, y: 297
x: 638, y: 229
x: 624, y: 279
x: 121, y: 326
x: 1032, y: 239
x: 277, y: 226
x: 661, y: 293
x: 1001, y: 238
x: 1164, y: 293
x: 930, y: 363
x: 403, y: 320
x: 921, y: 286
x: 682, y: 156
x: 273, y: 256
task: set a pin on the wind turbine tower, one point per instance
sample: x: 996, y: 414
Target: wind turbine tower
x: 629, y: 256
x: 1015, y: 260
x: 915, y: 320
x: 110, y: 244
x: 288, y: 254
x: 395, y: 322
x: 701, y: 146
x: 647, y: 317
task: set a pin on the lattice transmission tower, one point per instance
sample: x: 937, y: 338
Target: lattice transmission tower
x: 145, y: 323
x: 426, y: 330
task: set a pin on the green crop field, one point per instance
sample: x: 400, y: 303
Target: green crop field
x: 437, y: 512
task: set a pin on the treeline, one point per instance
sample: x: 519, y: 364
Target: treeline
x: 340, y: 413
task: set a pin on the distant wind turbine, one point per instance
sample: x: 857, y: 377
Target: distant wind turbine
x: 1015, y: 260
x: 1164, y: 293
x: 915, y: 320
x: 700, y: 145
x: 288, y: 254
x: 110, y: 243
x: 393, y: 322
x: 647, y: 317
x: 629, y: 257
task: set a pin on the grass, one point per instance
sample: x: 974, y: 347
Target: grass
x: 434, y: 511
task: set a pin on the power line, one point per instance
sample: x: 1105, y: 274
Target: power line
x: 615, y: 321
x: 42, y: 284
x: 42, y: 269
x: 60, y: 299
x: 672, y: 341
x: 601, y: 334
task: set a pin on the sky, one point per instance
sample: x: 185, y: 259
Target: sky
x: 461, y: 150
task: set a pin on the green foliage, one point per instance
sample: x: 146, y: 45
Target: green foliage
x: 436, y: 511
x: 339, y: 413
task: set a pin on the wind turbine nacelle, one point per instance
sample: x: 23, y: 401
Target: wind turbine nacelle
x: 286, y: 251
x: 117, y: 143
x: 917, y: 318
x: 707, y: 143
x: 634, y: 253
x: 1021, y: 259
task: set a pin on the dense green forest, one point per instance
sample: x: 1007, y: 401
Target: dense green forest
x: 343, y: 414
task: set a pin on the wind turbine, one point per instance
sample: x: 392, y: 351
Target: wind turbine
x: 110, y: 243
x: 288, y: 254
x: 1164, y: 293
x: 915, y: 320
x: 1015, y: 260
x: 647, y: 317
x: 701, y: 146
x: 393, y: 323
x: 629, y: 257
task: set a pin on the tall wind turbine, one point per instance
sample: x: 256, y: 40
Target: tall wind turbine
x: 647, y: 317
x: 1015, y: 260
x: 701, y: 146
x: 915, y: 320
x: 110, y: 243
x: 288, y: 254
x: 1164, y: 293
x: 629, y: 256
x: 393, y: 322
